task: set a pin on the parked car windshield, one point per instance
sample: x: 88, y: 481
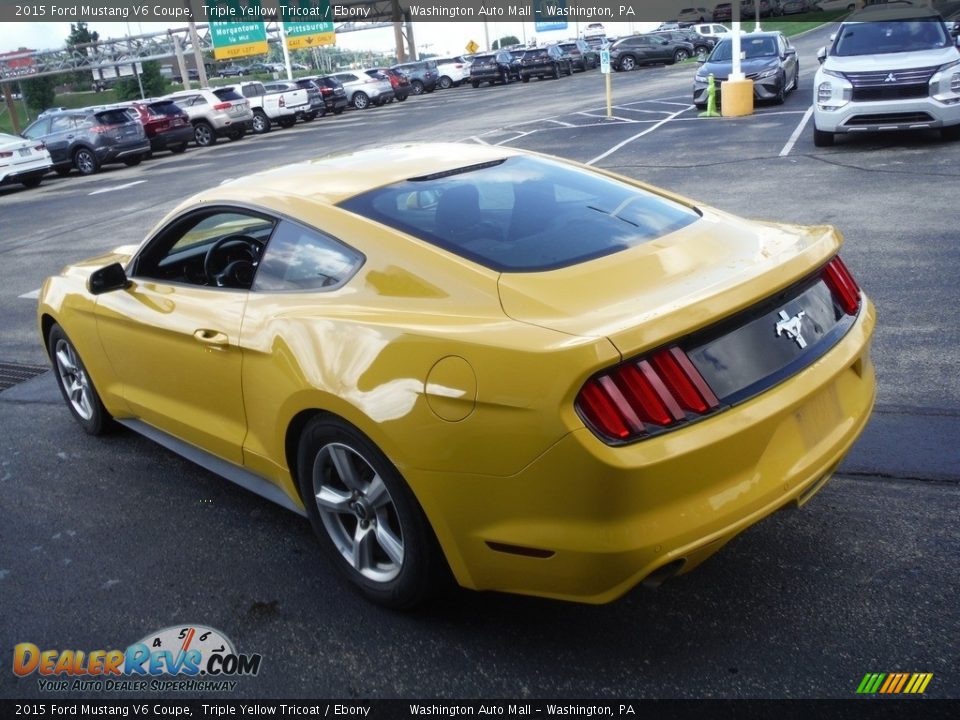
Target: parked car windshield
x: 523, y: 214
x: 892, y: 36
x: 750, y: 48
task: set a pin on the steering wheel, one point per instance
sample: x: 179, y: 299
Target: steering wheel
x: 237, y: 272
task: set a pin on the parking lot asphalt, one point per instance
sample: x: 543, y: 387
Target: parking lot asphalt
x: 105, y: 540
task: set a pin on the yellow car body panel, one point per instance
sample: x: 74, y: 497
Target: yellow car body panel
x: 466, y: 379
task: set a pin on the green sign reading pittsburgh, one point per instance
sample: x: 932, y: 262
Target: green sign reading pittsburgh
x: 307, y: 23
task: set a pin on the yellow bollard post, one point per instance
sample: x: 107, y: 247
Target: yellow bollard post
x: 737, y: 98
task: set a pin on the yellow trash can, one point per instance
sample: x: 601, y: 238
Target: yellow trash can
x: 736, y: 98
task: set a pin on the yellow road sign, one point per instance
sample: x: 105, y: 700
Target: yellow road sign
x: 472, y: 47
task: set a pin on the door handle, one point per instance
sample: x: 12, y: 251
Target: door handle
x: 211, y: 337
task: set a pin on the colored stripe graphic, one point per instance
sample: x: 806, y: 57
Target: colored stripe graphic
x: 894, y: 683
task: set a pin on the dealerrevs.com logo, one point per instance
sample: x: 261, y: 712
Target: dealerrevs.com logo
x: 188, y: 658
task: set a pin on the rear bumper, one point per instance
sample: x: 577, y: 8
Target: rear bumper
x: 605, y: 518
x: 246, y: 124
x: 25, y: 170
x: 765, y: 89
x: 114, y: 153
x: 171, y: 138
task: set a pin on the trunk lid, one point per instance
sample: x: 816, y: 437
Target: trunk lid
x: 667, y: 288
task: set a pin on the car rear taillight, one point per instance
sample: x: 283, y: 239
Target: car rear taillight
x: 6, y: 154
x: 223, y: 106
x: 326, y: 91
x: 100, y: 129
x: 41, y: 146
x: 842, y: 285
x: 645, y: 396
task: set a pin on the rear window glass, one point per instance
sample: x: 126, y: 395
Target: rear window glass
x: 113, y: 117
x: 523, y: 214
x: 228, y: 94
x: 165, y: 107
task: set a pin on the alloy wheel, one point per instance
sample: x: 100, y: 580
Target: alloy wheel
x: 74, y: 379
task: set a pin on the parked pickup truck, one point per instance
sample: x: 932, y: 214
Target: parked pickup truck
x: 270, y: 106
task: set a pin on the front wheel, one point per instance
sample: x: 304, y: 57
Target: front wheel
x: 75, y: 384
x: 261, y: 123
x: 366, y: 518
x: 628, y: 63
x: 822, y: 138
x: 445, y: 83
x: 361, y: 100
x: 417, y: 87
x: 680, y: 55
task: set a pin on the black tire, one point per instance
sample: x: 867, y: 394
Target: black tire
x: 75, y: 384
x: 781, y: 97
x: 627, y: 63
x: 204, y: 135
x: 402, y: 97
x: 85, y: 161
x: 416, y: 87
x: 287, y: 122
x: 337, y: 111
x: 822, y: 138
x: 133, y: 161
x: 309, y: 116
x: 177, y: 149
x: 261, y: 123
x: 237, y: 134
x: 445, y: 83
x: 680, y: 55
x: 63, y: 171
x: 32, y: 181
x: 525, y: 78
x: 361, y: 100
x: 950, y: 133
x: 569, y: 69
x: 475, y: 83
x: 395, y: 560
x: 505, y: 77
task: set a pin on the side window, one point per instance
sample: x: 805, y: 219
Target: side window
x: 217, y: 248
x: 38, y: 129
x: 300, y: 258
x: 62, y: 123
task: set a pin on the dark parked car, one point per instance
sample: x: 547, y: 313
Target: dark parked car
x: 581, y: 54
x: 423, y: 75
x: 87, y: 139
x: 192, y: 74
x: 701, y: 45
x: 629, y: 52
x: 496, y: 66
x: 233, y: 70
x: 549, y: 61
x: 166, y: 125
x: 399, y: 80
x: 332, y: 92
x: 723, y: 12
x: 768, y: 59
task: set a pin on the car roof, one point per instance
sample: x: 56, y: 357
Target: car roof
x: 332, y: 179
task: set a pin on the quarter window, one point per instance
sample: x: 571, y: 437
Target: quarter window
x: 300, y: 258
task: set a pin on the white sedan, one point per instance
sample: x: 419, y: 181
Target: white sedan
x: 23, y: 161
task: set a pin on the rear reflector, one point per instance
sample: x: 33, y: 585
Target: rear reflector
x: 645, y: 396
x: 842, y: 285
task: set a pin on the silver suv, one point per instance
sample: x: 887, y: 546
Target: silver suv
x: 215, y: 113
x: 888, y: 69
x: 363, y: 90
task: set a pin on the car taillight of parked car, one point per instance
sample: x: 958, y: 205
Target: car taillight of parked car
x: 223, y: 106
x: 326, y: 91
x: 101, y: 129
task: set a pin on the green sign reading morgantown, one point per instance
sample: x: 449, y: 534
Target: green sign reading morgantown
x: 237, y: 29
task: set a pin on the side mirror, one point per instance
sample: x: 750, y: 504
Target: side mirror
x: 821, y: 55
x: 789, y: 51
x: 106, y: 279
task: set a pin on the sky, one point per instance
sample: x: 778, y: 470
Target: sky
x: 435, y: 38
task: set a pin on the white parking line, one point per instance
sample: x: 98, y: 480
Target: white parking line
x: 32, y: 295
x: 117, y: 187
x: 638, y: 110
x: 479, y: 141
x: 518, y: 136
x: 560, y: 122
x: 604, y: 117
x: 629, y: 140
x: 796, y: 133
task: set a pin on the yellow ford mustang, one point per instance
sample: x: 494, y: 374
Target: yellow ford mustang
x: 538, y: 376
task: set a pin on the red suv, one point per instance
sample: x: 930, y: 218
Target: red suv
x: 398, y: 81
x: 166, y: 125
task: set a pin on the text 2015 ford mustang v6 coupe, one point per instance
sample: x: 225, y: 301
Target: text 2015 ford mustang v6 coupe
x: 534, y: 375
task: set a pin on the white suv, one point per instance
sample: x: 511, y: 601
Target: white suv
x: 215, y: 113
x: 888, y: 69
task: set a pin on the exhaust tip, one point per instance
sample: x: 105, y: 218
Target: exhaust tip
x: 663, y: 573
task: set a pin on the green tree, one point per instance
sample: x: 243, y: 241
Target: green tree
x: 80, y: 34
x: 154, y: 84
x: 506, y: 41
x: 40, y: 93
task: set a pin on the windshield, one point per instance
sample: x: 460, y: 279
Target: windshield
x: 891, y: 36
x: 523, y: 214
x: 750, y: 48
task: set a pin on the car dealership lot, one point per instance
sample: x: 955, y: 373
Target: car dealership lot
x: 104, y: 540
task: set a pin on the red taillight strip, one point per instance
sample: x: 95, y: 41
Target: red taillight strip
x: 844, y: 287
x: 684, y: 380
x: 645, y: 396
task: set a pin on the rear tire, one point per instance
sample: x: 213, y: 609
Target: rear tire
x: 367, y: 520
x: 177, y: 149
x: 133, y: 161
x: 416, y: 86
x: 445, y: 83
x: 288, y: 122
x: 361, y: 101
x: 261, y: 123
x: 85, y: 161
x: 32, y: 181
x: 75, y: 384
x: 204, y: 135
x: 475, y: 83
